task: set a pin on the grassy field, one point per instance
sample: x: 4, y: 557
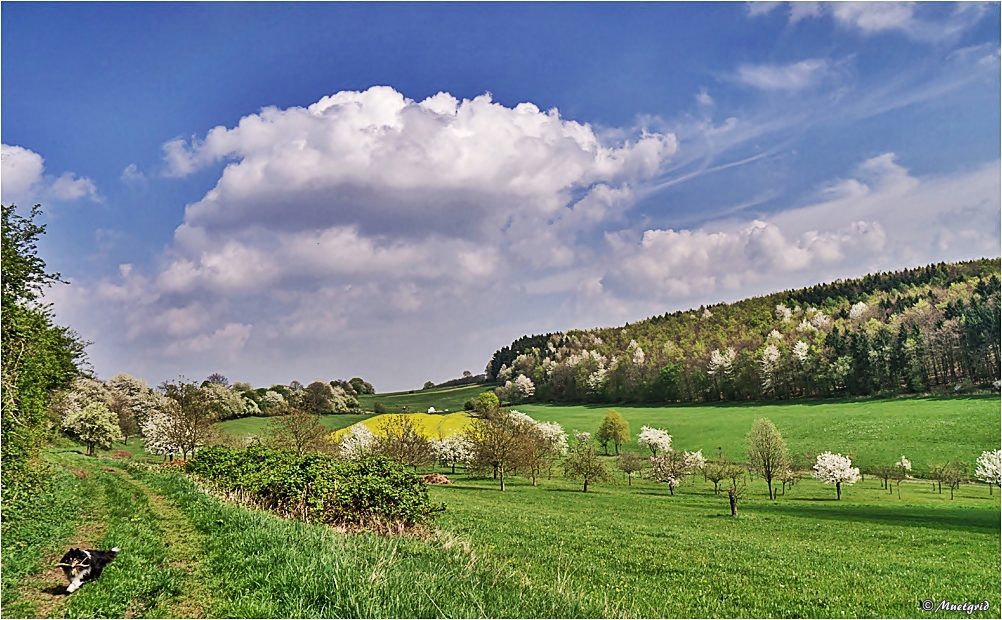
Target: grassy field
x: 874, y: 432
x: 548, y: 551
x: 441, y: 399
x: 259, y: 426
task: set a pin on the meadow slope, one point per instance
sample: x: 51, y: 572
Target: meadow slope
x: 620, y: 550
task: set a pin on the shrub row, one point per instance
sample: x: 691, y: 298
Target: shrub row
x: 372, y: 492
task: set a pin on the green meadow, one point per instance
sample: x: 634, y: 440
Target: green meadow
x: 873, y: 432
x: 243, y: 427
x: 620, y: 550
x: 416, y: 401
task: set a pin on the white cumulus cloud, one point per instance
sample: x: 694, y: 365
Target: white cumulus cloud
x: 23, y: 179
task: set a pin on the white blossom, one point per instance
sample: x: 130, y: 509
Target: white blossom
x: 582, y: 437
x: 707, y: 314
x: 504, y: 375
x: 774, y: 335
x: 694, y: 461
x: 989, y: 467
x: 820, y: 320
x: 165, y: 433
x: 783, y: 313
x: 95, y: 425
x: 638, y: 357
x: 904, y: 464
x: 770, y: 357
x: 596, y: 381
x: 835, y: 469
x: 452, y: 450
x: 525, y: 387
x: 721, y: 363
x: 805, y: 326
x: 554, y: 433
x: 857, y: 310
x: 357, y: 442
x: 274, y: 399
x: 800, y: 351
x: 656, y: 439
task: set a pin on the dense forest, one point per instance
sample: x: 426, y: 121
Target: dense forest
x: 930, y: 328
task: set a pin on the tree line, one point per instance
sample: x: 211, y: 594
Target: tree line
x: 37, y: 356
x: 937, y: 327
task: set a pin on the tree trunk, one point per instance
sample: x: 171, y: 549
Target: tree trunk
x: 784, y: 488
x: 671, y: 490
x: 453, y: 469
x: 586, y: 484
x: 733, y: 498
x: 899, y: 489
x: 838, y: 490
x: 501, y: 472
x: 940, y: 483
x: 630, y: 478
x: 768, y: 481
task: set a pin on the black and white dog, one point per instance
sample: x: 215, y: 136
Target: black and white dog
x: 82, y: 565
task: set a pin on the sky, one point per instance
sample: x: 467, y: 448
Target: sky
x: 280, y: 191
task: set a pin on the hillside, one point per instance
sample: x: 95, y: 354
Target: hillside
x: 913, y: 330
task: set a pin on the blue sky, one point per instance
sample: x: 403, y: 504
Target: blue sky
x: 698, y: 153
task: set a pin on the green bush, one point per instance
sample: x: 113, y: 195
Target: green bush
x: 379, y: 408
x: 372, y: 492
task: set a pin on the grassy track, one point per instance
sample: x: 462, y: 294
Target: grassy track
x: 874, y: 432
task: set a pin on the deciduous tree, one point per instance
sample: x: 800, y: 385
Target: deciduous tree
x: 989, y: 468
x: 95, y: 425
x: 299, y: 431
x: 613, y: 428
x: 584, y: 462
x: 835, y: 469
x: 630, y: 463
x: 767, y: 451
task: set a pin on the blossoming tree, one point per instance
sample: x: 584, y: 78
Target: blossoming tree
x: 835, y: 469
x: 989, y: 468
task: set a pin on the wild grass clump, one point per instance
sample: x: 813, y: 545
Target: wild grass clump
x: 373, y: 493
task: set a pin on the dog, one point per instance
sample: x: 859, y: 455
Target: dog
x: 82, y: 565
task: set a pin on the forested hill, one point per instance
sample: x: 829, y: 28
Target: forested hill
x: 904, y: 331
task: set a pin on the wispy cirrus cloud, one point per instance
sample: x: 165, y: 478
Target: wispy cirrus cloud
x: 917, y: 22
x: 790, y: 77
